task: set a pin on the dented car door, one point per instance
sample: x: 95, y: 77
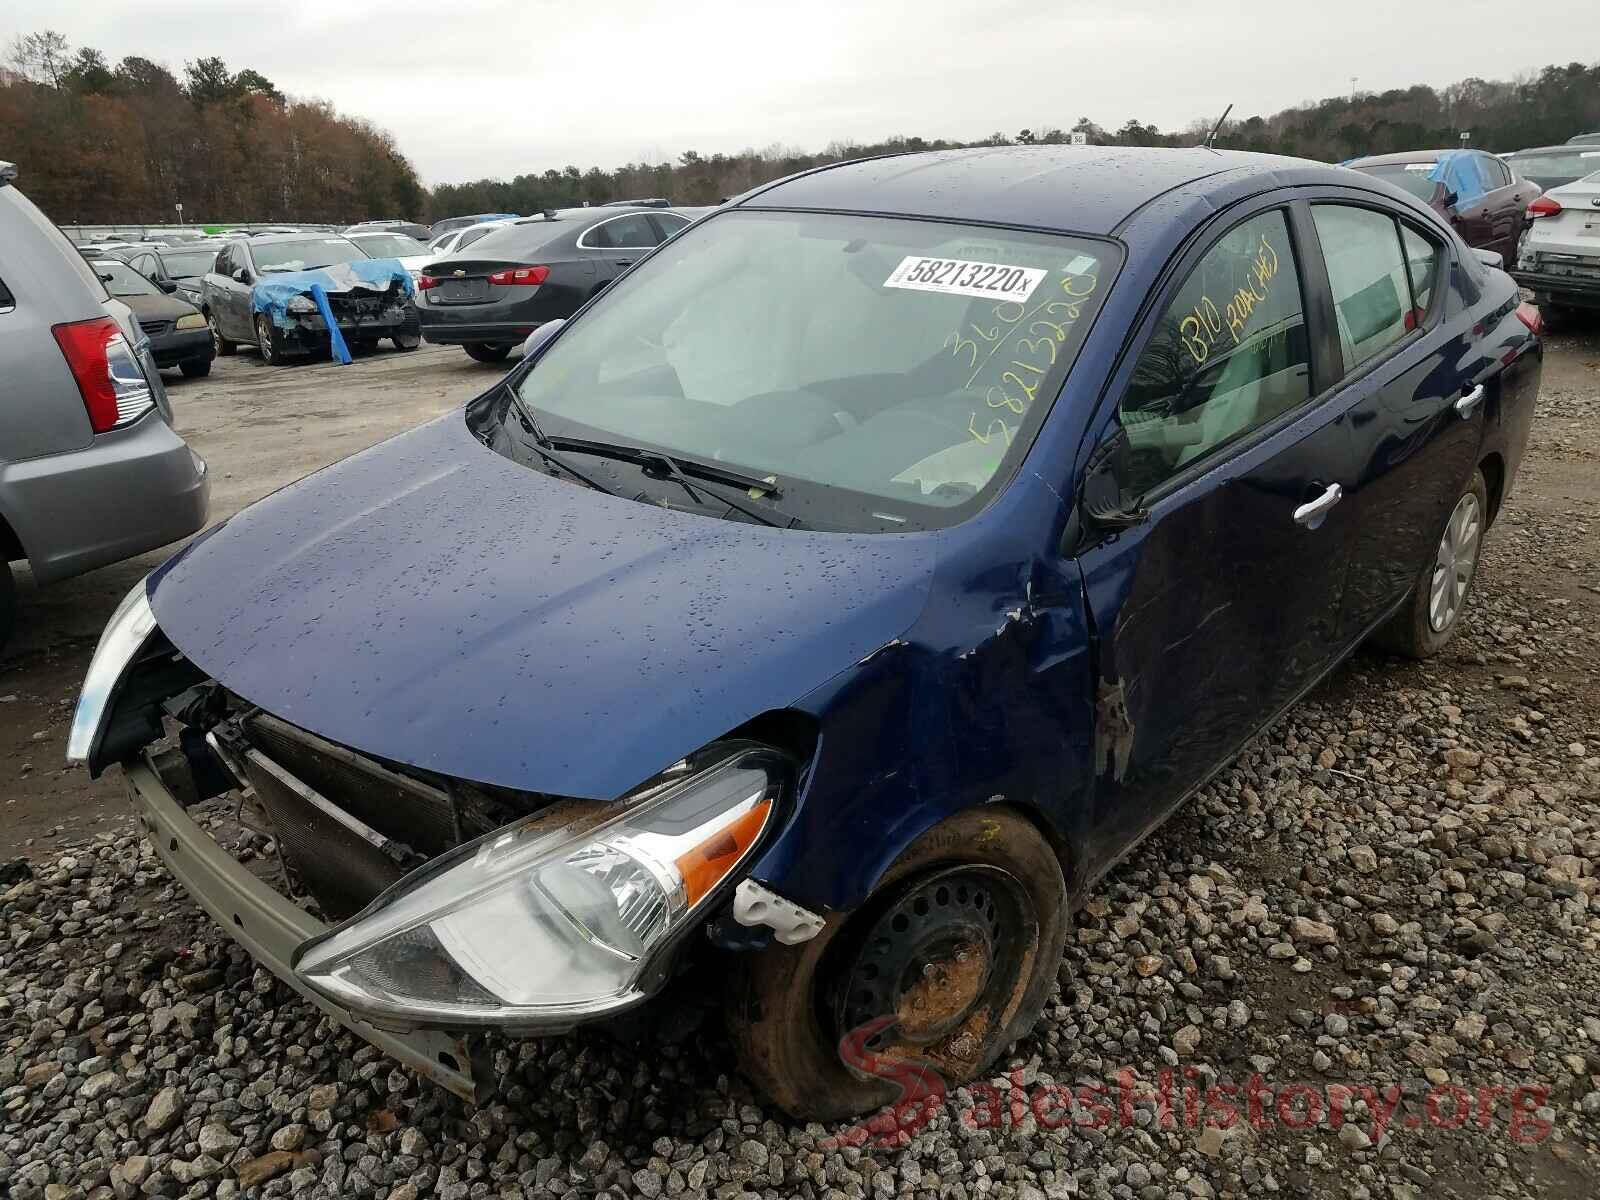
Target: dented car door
x: 1216, y: 605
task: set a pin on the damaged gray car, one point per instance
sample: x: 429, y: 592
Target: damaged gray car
x: 264, y: 292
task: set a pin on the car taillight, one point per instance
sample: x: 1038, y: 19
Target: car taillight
x: 1544, y: 206
x: 424, y: 282
x: 1531, y: 317
x: 526, y: 276
x: 114, y: 389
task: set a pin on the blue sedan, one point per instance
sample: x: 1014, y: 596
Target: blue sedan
x: 828, y: 604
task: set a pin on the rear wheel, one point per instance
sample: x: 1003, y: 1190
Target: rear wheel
x: 947, y: 964
x: 487, y: 352
x: 409, y: 335
x: 269, y: 342
x: 221, y: 344
x: 1430, y: 616
x: 195, y: 368
x: 8, y: 604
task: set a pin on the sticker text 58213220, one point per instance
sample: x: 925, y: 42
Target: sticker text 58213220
x: 962, y: 277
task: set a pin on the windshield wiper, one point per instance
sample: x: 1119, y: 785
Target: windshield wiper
x: 680, y: 469
x: 543, y: 447
x: 674, y: 468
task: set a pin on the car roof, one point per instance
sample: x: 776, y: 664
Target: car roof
x: 1399, y: 156
x: 308, y: 235
x: 1563, y: 148
x: 1086, y: 189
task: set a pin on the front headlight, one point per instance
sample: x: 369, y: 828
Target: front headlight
x: 549, y: 920
x: 301, y: 304
x: 124, y: 634
x: 190, y: 321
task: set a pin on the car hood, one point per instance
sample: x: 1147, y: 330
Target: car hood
x: 432, y: 602
x: 158, y: 308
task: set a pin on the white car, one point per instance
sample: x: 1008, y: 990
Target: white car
x: 1559, y: 256
x: 460, y: 239
x: 378, y: 243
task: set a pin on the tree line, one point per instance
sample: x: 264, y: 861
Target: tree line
x: 120, y: 144
x: 100, y: 143
x: 1540, y: 108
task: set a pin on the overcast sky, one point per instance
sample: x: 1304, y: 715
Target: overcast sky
x: 471, y: 88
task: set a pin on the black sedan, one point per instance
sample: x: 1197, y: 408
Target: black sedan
x: 182, y: 266
x: 177, y: 332
x: 531, y: 271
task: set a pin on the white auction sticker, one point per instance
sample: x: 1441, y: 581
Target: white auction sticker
x: 963, y: 277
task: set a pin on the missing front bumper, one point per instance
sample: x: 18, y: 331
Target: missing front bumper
x: 272, y: 929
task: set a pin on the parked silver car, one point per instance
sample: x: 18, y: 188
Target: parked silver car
x: 91, y: 470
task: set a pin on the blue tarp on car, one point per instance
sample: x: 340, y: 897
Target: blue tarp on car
x: 1464, y: 172
x: 272, y: 294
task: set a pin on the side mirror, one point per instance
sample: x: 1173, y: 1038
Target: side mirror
x: 532, y: 343
x: 167, y: 286
x: 1490, y: 258
x: 242, y: 275
x: 1450, y: 200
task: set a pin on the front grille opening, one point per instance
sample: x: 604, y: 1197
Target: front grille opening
x: 326, y: 826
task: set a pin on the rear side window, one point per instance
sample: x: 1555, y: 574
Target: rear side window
x: 623, y: 233
x: 474, y: 235
x: 14, y: 203
x: 1229, y: 355
x: 1371, y: 291
x: 668, y: 223
x: 1423, y: 257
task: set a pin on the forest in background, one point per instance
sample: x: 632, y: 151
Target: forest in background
x: 103, y: 143
x: 1541, y: 108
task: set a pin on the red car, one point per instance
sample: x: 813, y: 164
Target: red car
x: 1479, y: 194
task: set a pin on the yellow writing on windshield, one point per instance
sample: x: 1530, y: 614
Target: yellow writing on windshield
x: 1011, y: 351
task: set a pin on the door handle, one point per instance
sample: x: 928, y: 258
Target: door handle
x: 1311, y: 513
x: 1468, y: 402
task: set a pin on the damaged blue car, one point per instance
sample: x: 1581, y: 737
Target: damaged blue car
x: 826, y: 606
x: 307, y: 295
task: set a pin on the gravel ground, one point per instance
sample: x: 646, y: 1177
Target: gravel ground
x: 1393, y: 889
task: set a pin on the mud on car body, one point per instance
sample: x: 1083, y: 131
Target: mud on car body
x: 828, y: 603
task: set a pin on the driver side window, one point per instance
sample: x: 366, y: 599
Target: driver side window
x: 1229, y: 355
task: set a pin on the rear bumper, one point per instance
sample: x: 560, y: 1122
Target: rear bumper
x: 476, y: 332
x: 272, y: 929
x: 1577, y: 290
x: 129, y: 491
x: 192, y: 345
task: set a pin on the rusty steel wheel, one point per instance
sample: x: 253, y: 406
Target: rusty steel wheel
x: 947, y: 964
x: 941, y: 959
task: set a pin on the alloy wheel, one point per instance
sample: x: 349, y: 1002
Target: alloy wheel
x: 264, y: 340
x: 1455, y: 563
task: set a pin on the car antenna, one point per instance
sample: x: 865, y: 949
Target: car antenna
x: 1212, y: 136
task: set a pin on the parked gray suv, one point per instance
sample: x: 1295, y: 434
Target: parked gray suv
x: 91, y: 470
